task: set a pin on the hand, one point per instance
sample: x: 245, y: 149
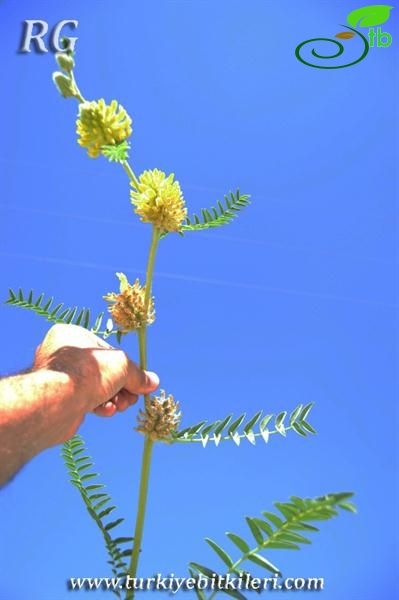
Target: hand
x: 104, y: 380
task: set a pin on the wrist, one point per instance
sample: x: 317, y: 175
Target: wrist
x: 31, y: 406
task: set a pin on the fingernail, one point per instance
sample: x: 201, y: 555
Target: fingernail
x: 153, y: 378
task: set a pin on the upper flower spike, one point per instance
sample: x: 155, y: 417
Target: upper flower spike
x: 100, y: 124
x: 159, y: 200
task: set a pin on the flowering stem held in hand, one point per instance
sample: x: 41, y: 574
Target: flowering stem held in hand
x: 146, y: 461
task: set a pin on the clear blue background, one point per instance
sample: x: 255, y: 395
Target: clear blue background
x: 293, y: 302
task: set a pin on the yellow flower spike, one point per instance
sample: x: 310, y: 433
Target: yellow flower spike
x: 159, y: 200
x: 160, y: 418
x: 100, y: 124
x: 128, y: 307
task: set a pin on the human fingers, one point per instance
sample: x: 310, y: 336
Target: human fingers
x: 124, y: 399
x: 107, y: 409
x: 139, y: 381
x: 119, y: 372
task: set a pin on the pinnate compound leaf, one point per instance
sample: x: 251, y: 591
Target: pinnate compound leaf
x: 54, y: 314
x: 219, y: 215
x: 285, y: 536
x: 227, y: 429
x: 77, y: 460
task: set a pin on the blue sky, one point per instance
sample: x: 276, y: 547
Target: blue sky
x: 293, y: 302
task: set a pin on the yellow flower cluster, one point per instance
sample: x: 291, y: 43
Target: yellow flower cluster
x: 159, y: 200
x: 160, y: 418
x: 100, y: 124
x: 128, y: 307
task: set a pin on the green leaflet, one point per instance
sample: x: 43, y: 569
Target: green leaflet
x: 239, y: 542
x: 252, y: 430
x: 57, y: 313
x: 273, y: 532
x: 220, y: 552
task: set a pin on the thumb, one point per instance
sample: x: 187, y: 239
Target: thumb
x: 139, y: 381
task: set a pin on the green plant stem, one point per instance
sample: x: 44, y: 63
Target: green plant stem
x: 130, y: 173
x: 138, y: 533
x: 150, y: 266
x: 148, y: 443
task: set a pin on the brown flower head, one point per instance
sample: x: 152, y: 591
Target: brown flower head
x: 128, y: 307
x: 160, y: 418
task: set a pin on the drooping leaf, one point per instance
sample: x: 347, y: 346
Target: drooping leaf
x: 77, y: 461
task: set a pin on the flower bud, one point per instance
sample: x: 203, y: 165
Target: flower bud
x: 64, y: 85
x: 65, y: 61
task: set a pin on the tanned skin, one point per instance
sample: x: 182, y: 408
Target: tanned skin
x: 74, y: 373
